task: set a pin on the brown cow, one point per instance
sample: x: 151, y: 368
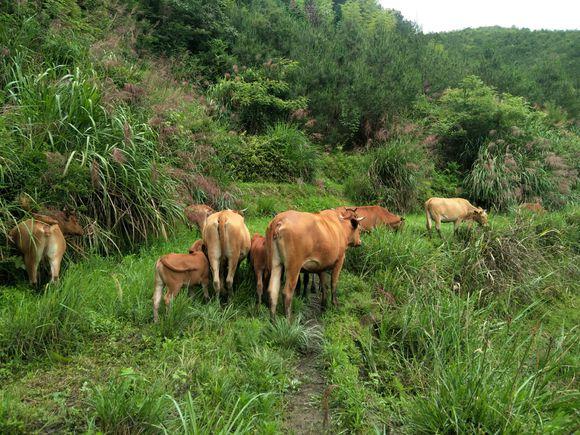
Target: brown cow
x: 42, y: 237
x: 258, y: 261
x: 196, y: 214
x: 375, y: 216
x: 454, y: 210
x: 227, y: 241
x: 534, y: 207
x: 175, y: 271
x: 315, y: 242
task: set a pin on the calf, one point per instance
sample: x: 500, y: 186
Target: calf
x: 258, y: 261
x: 175, y: 271
x: 454, y: 210
x: 227, y: 241
x: 42, y: 238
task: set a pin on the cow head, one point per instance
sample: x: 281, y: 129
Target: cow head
x: 350, y: 222
x: 479, y: 215
x: 197, y: 246
x: 69, y: 224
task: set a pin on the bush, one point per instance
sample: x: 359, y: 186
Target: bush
x: 397, y: 176
x: 283, y: 154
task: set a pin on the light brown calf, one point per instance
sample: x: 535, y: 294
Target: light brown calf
x: 227, y: 241
x: 42, y: 237
x: 175, y: 271
x: 454, y: 210
x: 315, y: 242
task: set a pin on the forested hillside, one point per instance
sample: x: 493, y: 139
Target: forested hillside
x: 126, y: 111
x: 541, y: 66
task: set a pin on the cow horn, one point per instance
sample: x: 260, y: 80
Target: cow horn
x: 360, y: 218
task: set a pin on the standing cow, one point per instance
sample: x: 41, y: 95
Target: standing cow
x: 375, y: 216
x: 315, y: 242
x: 175, y: 271
x: 227, y: 242
x: 454, y: 210
x: 42, y: 237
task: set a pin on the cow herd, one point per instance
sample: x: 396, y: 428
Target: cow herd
x: 295, y: 242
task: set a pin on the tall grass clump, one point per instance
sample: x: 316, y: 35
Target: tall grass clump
x: 128, y: 403
x: 496, y: 378
x: 32, y: 327
x: 397, y: 176
x: 294, y: 335
x: 192, y: 420
x: 283, y: 153
x: 74, y: 153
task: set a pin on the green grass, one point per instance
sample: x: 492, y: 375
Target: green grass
x: 404, y: 351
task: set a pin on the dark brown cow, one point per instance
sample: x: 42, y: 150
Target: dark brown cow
x: 315, y: 242
x: 196, y: 214
x: 175, y: 271
x: 42, y: 237
x: 375, y: 216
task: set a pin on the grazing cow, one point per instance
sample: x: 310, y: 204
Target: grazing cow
x: 42, y: 237
x: 227, y: 241
x: 315, y: 242
x: 534, y: 207
x: 375, y: 216
x: 196, y: 214
x: 258, y: 261
x: 175, y: 271
x: 454, y: 210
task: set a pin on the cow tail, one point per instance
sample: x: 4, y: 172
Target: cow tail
x: 222, y: 234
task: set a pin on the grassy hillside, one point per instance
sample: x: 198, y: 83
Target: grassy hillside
x: 126, y: 111
x: 476, y: 332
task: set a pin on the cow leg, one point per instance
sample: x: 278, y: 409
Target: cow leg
x: 204, y: 285
x: 232, y: 266
x: 31, y: 262
x: 259, y: 287
x: 334, y: 279
x: 428, y: 216
x: 215, y: 271
x: 274, y: 288
x: 292, y: 275
x: 456, y: 225
x: 157, y: 295
x: 438, y: 225
x: 322, y: 277
x: 306, y: 283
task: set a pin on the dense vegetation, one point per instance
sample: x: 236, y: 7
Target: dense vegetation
x: 127, y: 110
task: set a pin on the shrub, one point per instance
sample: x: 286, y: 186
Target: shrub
x: 397, y: 176
x: 283, y: 153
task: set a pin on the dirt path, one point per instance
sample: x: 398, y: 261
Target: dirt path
x: 305, y: 413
